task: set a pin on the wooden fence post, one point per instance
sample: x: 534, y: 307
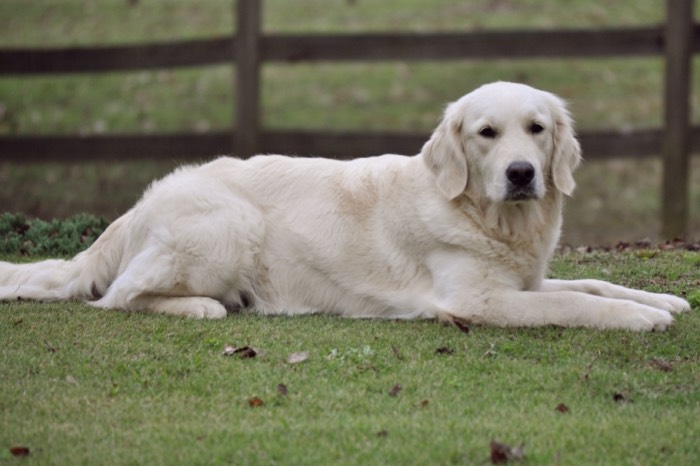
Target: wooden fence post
x: 247, y: 125
x: 676, y: 139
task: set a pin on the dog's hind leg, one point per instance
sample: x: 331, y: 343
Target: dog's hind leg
x: 196, y: 267
x: 197, y: 307
x: 156, y: 281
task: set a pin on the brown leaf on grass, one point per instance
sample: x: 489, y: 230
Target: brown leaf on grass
x: 423, y: 403
x: 20, y: 451
x: 461, y: 324
x: 246, y: 352
x: 444, y: 350
x: 296, y: 358
x: 49, y: 347
x: 562, y: 408
x: 662, y: 364
x: 502, y: 453
x: 282, y: 389
x: 395, y: 390
x: 586, y: 376
x: 382, y: 433
x: 243, y: 352
x: 255, y: 402
x: 619, y: 397
x: 396, y: 353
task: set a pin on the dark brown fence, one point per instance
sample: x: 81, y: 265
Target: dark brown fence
x: 248, y: 49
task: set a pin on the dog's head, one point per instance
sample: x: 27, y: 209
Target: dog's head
x: 505, y: 142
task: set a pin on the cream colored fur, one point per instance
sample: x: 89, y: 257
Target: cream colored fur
x: 429, y: 236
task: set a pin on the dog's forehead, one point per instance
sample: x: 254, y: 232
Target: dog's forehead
x: 501, y: 101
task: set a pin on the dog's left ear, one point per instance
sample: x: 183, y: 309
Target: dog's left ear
x: 445, y: 156
x: 567, y: 150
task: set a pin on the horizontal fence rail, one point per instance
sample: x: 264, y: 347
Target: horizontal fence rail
x: 595, y: 43
x: 249, y: 49
x: 342, y: 145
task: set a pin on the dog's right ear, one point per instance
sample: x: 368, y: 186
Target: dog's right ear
x: 445, y: 156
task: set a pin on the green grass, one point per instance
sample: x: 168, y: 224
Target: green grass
x: 86, y: 386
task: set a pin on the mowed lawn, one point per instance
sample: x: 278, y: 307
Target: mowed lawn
x: 86, y: 386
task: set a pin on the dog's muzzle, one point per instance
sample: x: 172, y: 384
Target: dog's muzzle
x: 521, y: 177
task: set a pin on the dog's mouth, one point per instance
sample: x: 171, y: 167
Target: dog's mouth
x: 519, y: 194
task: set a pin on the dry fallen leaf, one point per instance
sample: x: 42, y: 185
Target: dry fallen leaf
x: 282, y: 389
x: 243, y: 352
x: 255, y: 402
x: 49, y: 347
x: 586, y: 376
x: 395, y: 390
x: 228, y: 350
x: 444, y: 350
x: 461, y: 324
x: 502, y: 453
x: 499, y: 453
x: 247, y: 352
x: 296, y: 358
x: 619, y: 397
x: 662, y: 364
x: 423, y: 403
x: 562, y: 408
x: 20, y: 451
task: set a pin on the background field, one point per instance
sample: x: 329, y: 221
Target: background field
x: 616, y: 200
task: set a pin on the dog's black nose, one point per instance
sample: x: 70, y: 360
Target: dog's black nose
x: 520, y: 173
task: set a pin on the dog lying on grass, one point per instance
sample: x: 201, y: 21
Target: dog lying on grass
x: 463, y: 231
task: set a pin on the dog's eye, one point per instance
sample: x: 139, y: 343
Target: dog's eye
x: 487, y: 132
x: 536, y: 128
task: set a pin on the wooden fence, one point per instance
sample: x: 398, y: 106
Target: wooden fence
x: 248, y: 49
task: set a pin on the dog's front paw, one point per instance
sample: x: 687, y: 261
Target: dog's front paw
x: 644, y: 318
x: 674, y: 303
x: 667, y: 302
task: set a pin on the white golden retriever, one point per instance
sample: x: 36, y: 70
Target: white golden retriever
x: 462, y: 231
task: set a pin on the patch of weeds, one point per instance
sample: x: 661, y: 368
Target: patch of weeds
x: 646, y: 254
x: 351, y: 355
x: 694, y: 299
x: 21, y: 236
x: 361, y: 358
x: 692, y: 258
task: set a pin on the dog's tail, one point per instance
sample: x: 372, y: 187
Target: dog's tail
x: 86, y: 276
